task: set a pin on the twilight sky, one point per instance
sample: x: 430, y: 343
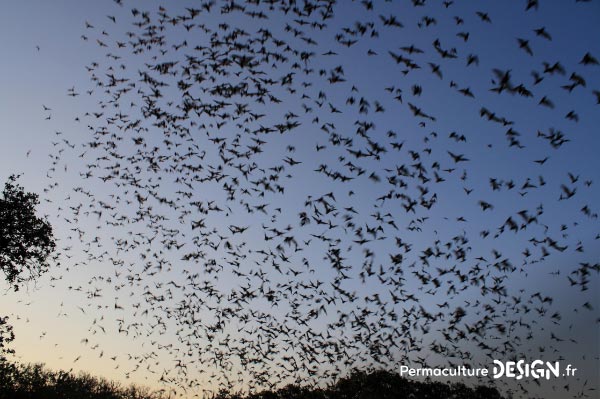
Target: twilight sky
x: 244, y: 201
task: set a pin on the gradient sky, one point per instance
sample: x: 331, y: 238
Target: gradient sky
x: 45, y: 56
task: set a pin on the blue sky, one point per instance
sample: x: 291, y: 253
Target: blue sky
x: 34, y: 79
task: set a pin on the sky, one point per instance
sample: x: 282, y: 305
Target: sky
x: 162, y: 227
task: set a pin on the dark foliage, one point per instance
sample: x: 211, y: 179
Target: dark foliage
x: 26, y: 240
x: 6, y: 337
x: 376, y: 385
x: 33, y: 381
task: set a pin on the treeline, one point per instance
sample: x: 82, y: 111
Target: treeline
x: 375, y: 385
x: 33, y: 381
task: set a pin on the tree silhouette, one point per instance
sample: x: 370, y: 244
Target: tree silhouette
x: 26, y: 241
x: 379, y: 384
x: 33, y: 381
x: 6, y: 337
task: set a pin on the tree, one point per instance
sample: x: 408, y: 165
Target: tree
x: 380, y: 384
x: 26, y: 241
x: 6, y: 337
